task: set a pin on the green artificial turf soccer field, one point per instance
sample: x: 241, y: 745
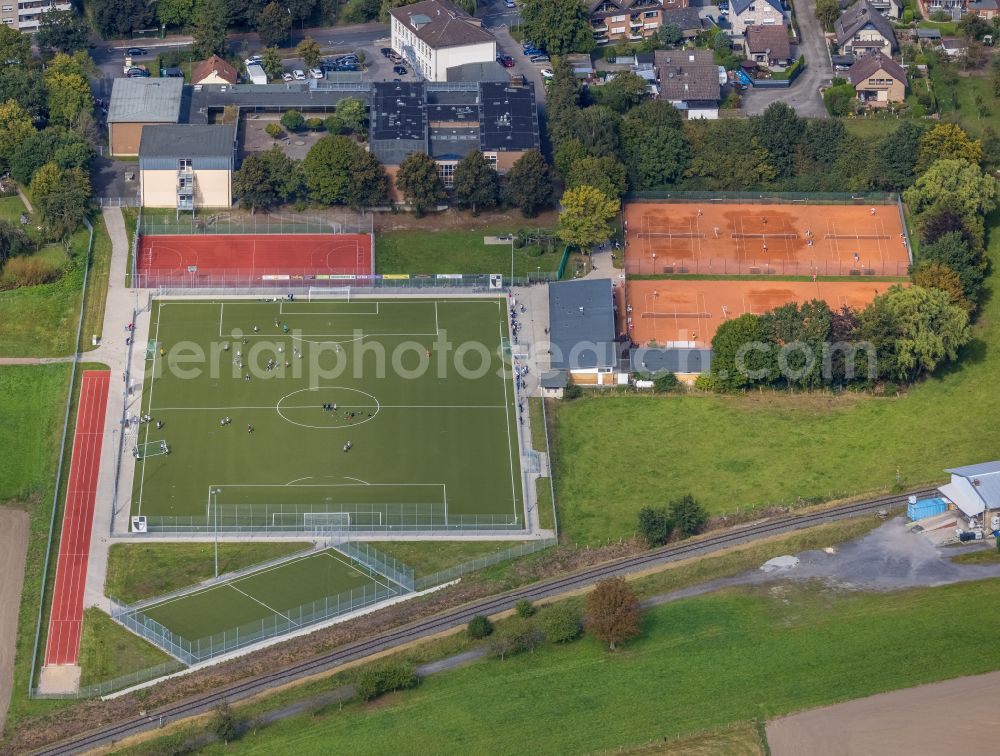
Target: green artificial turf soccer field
x: 429, y: 448
x: 287, y: 590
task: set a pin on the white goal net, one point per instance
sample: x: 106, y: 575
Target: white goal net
x: 327, y: 293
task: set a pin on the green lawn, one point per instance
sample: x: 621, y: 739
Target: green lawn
x: 107, y: 650
x: 428, y: 557
x: 139, y: 571
x: 700, y: 664
x: 457, y: 252
x: 543, y: 500
x: 983, y: 556
x: 131, y: 216
x: 11, y: 208
x: 616, y: 454
x: 432, y: 447
x: 253, y: 601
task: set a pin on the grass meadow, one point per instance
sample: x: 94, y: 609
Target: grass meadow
x: 618, y: 453
x: 457, y: 252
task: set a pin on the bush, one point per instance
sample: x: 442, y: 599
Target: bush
x: 383, y: 678
x: 562, y: 622
x: 225, y: 724
x: 514, y: 636
x: 27, y: 271
x: 572, y: 391
x: 479, y: 627
x: 293, y: 120
x: 655, y: 526
x: 333, y: 124
x: 665, y: 383
x: 524, y: 609
x: 314, y: 124
x: 907, y: 17
x: 688, y: 515
x: 273, y: 130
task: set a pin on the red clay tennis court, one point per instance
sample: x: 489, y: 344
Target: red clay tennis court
x: 66, y: 621
x: 785, y: 239
x: 217, y: 260
x: 686, y: 313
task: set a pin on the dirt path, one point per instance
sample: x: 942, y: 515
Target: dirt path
x: 951, y: 717
x: 13, y: 549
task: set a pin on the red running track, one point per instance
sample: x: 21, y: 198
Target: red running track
x: 66, y: 621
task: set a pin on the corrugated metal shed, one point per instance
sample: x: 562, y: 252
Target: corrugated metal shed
x: 974, y: 488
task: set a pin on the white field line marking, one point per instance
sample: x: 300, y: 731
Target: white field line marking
x: 319, y: 406
x: 269, y: 608
x: 149, y: 406
x: 506, y: 404
x: 337, y: 558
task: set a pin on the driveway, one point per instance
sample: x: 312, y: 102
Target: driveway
x: 804, y: 93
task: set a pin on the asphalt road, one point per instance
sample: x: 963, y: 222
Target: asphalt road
x: 804, y: 94
x: 461, y: 615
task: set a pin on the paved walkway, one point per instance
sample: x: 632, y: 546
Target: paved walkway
x: 33, y: 360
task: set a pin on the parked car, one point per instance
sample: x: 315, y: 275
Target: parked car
x: 171, y: 73
x: 253, y: 59
x: 135, y: 52
x: 137, y: 73
x: 546, y: 73
x: 298, y: 74
x: 533, y: 51
x: 287, y: 76
x: 316, y: 73
x: 396, y: 58
x: 400, y: 70
x: 505, y: 60
x: 510, y: 3
x: 386, y: 51
x: 540, y: 59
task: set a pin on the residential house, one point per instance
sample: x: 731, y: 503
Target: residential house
x: 435, y: 35
x: 954, y: 8
x: 688, y: 20
x: 862, y: 30
x: 582, y: 332
x: 187, y: 166
x: 136, y: 103
x: 691, y: 81
x: 953, y: 47
x: 26, y: 15
x: 986, y: 9
x: 613, y: 20
x: 744, y: 13
x: 889, y: 8
x: 214, y: 71
x: 768, y: 46
x: 878, y: 80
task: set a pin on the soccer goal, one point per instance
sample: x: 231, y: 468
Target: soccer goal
x: 327, y: 293
x: 150, y: 449
x: 326, y: 521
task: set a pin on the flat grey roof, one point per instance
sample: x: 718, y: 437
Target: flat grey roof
x: 509, y: 117
x: 490, y: 71
x: 310, y: 95
x: 649, y: 360
x: 582, y: 324
x: 187, y: 140
x: 146, y: 100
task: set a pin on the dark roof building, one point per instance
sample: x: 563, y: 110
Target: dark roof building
x: 582, y: 325
x: 768, y: 43
x: 683, y: 361
x: 688, y: 78
x: 508, y: 118
x: 688, y: 20
x: 739, y: 6
x: 474, y: 72
x: 867, y: 65
x: 858, y: 27
x: 398, y: 120
x: 208, y: 147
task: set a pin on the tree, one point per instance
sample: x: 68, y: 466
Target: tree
x: 566, y: 154
x: 947, y: 140
x: 586, y: 216
x: 479, y: 627
x: 55, y: 144
x: 117, y: 18
x: 954, y: 180
x: 780, y: 131
x: 840, y: 99
x: 175, y: 12
x: 309, y: 50
x: 741, y: 354
x: 597, y: 128
x: 561, y: 622
x: 353, y: 114
x: 562, y: 100
x: 624, y: 91
x: 476, y: 183
x: 225, y: 724
x: 897, y: 155
x: 62, y: 31
x: 271, y: 63
x: 730, y: 154
x: 418, y: 180
x: 339, y: 171
x: 656, y: 151
x: 300, y: 10
x: 15, y: 128
x: 514, y: 636
x: 67, y: 91
x: 62, y: 196
x: 293, y: 120
x: 385, y: 677
x: 952, y: 250
x: 973, y: 27
x: 274, y: 25
x: 273, y: 130
x: 529, y: 185
x: 914, y: 330
x: 15, y: 50
x: 935, y: 275
x: 557, y: 26
x: 13, y: 241
x: 824, y: 139
x: 670, y: 35
x: 210, y: 24
x: 24, y: 86
x: 613, y: 613
x: 827, y: 12
x: 688, y: 515
x: 655, y: 526
x: 603, y: 173
x: 266, y: 179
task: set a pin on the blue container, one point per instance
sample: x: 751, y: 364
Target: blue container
x: 926, y: 508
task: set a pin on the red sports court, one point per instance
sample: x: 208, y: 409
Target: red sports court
x: 66, y: 622
x: 251, y: 260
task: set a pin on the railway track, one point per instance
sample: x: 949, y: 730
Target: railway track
x: 461, y: 615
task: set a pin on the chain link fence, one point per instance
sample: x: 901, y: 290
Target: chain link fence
x: 201, y: 281
x: 447, y: 575
x: 663, y: 266
x: 239, y: 223
x: 767, y: 198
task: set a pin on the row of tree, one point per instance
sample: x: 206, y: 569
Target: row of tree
x: 337, y: 170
